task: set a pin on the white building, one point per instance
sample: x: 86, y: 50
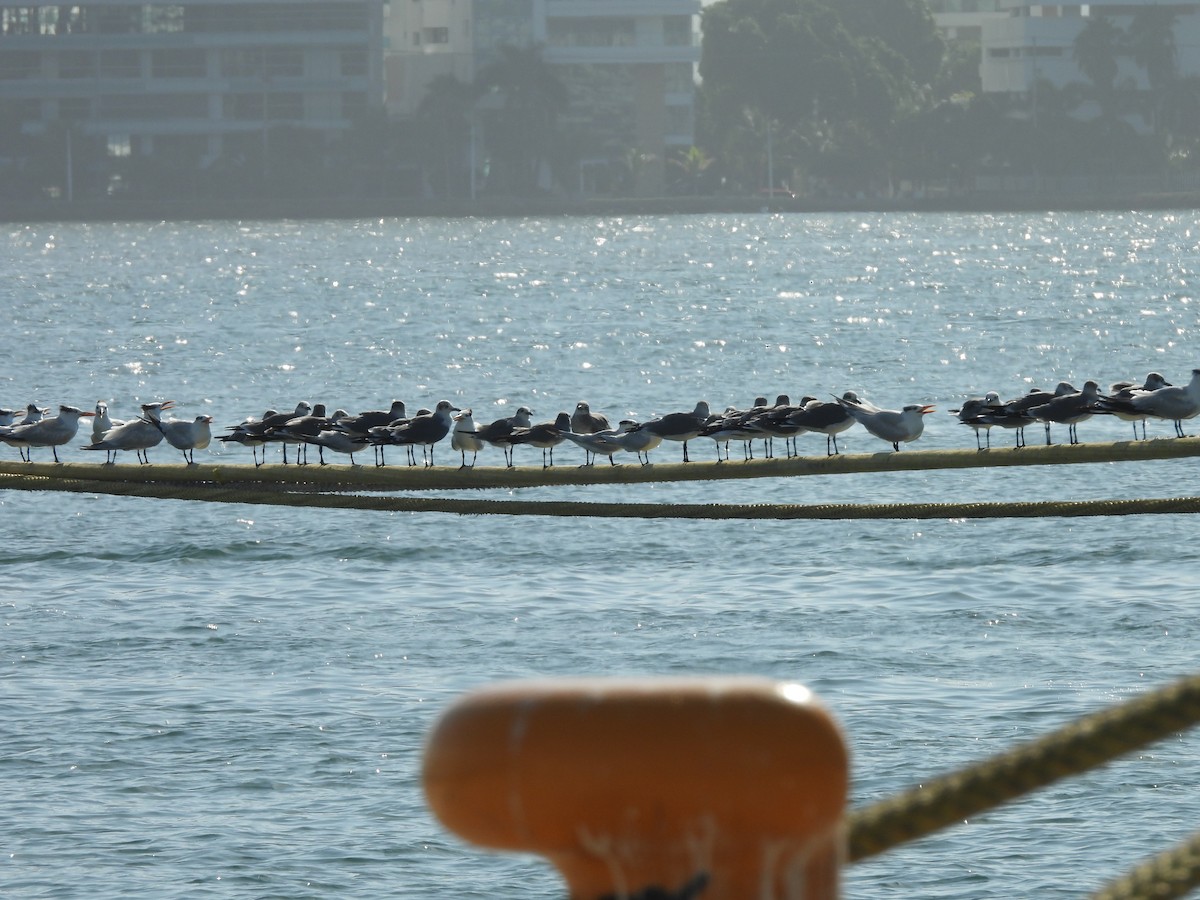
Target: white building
x: 629, y: 66
x: 189, y: 80
x: 1036, y: 42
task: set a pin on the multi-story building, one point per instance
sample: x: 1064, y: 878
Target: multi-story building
x: 628, y: 65
x: 1035, y: 43
x: 193, y: 80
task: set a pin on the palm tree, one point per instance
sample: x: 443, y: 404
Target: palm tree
x: 528, y: 98
x: 690, y: 166
x: 1097, y: 47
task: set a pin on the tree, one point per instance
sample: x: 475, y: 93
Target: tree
x: 527, y: 99
x: 443, y: 120
x: 1096, y: 50
x: 1152, y: 45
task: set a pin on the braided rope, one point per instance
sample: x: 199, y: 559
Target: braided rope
x: 392, y: 478
x: 1173, y: 873
x: 276, y: 495
x: 1075, y: 748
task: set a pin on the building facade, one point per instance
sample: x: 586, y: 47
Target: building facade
x: 1035, y: 43
x: 199, y: 80
x: 629, y: 67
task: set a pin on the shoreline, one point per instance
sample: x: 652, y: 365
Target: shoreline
x: 122, y: 210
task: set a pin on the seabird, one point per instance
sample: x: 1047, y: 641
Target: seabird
x: 545, y: 435
x: 425, y: 430
x: 680, y: 426
x: 829, y: 419
x: 50, y: 432
x: 498, y: 432
x: 187, y: 436
x: 1122, y: 391
x: 1172, y: 402
x: 249, y: 433
x: 896, y: 426
x: 598, y: 443
x: 974, y: 413
x: 138, y: 435
x: 338, y: 441
x: 1068, y: 409
x: 465, y: 436
x: 636, y: 439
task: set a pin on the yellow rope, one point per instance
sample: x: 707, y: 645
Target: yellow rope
x: 275, y: 495
x: 1173, y: 873
x: 1075, y: 748
x: 403, y: 477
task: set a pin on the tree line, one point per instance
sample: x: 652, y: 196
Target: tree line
x: 829, y: 97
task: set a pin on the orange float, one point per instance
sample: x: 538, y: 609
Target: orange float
x: 713, y: 788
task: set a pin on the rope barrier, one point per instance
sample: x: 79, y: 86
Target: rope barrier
x: 273, y: 495
x: 1071, y: 750
x: 1173, y: 873
x: 393, y: 478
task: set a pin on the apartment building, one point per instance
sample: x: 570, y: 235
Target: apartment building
x: 194, y: 80
x: 1032, y: 43
x: 628, y: 65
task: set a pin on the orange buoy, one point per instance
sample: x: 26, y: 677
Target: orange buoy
x: 713, y: 788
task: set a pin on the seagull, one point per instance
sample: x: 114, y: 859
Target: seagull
x: 680, y: 426
x: 46, y: 432
x: 498, y: 432
x: 294, y: 430
x: 138, y: 435
x: 1171, y: 402
x: 546, y: 435
x: 636, y: 439
x: 896, y: 426
x: 1122, y: 391
x: 584, y: 421
x: 248, y: 432
x: 598, y: 443
x: 7, y: 417
x: 365, y: 421
x: 974, y: 413
x: 187, y: 437
x: 731, y: 425
x: 466, y: 437
x: 829, y: 419
x: 1069, y: 409
x: 338, y: 441
x: 425, y: 430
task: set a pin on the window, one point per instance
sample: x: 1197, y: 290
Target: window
x: 180, y: 63
x: 119, y: 64
x: 77, y: 64
x: 435, y: 35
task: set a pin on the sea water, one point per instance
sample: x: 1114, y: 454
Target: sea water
x: 230, y: 701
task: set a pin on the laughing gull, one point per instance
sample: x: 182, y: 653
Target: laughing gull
x: 1069, y: 409
x: 545, y: 435
x: 975, y: 413
x: 827, y: 418
x: 498, y: 431
x: 680, y: 426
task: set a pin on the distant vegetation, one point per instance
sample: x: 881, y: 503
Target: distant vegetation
x: 829, y: 98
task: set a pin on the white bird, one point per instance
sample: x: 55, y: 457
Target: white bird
x: 50, y: 432
x: 187, y: 437
x: 138, y: 435
x: 598, y: 443
x: 896, y: 426
x: 465, y: 436
x: 1172, y: 402
x: 637, y: 439
x: 338, y: 441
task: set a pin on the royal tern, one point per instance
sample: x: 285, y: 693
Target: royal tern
x: 138, y: 435
x: 896, y: 426
x: 50, y: 432
x: 680, y: 426
x: 187, y: 436
x: 636, y: 439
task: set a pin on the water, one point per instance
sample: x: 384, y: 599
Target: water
x: 231, y: 701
